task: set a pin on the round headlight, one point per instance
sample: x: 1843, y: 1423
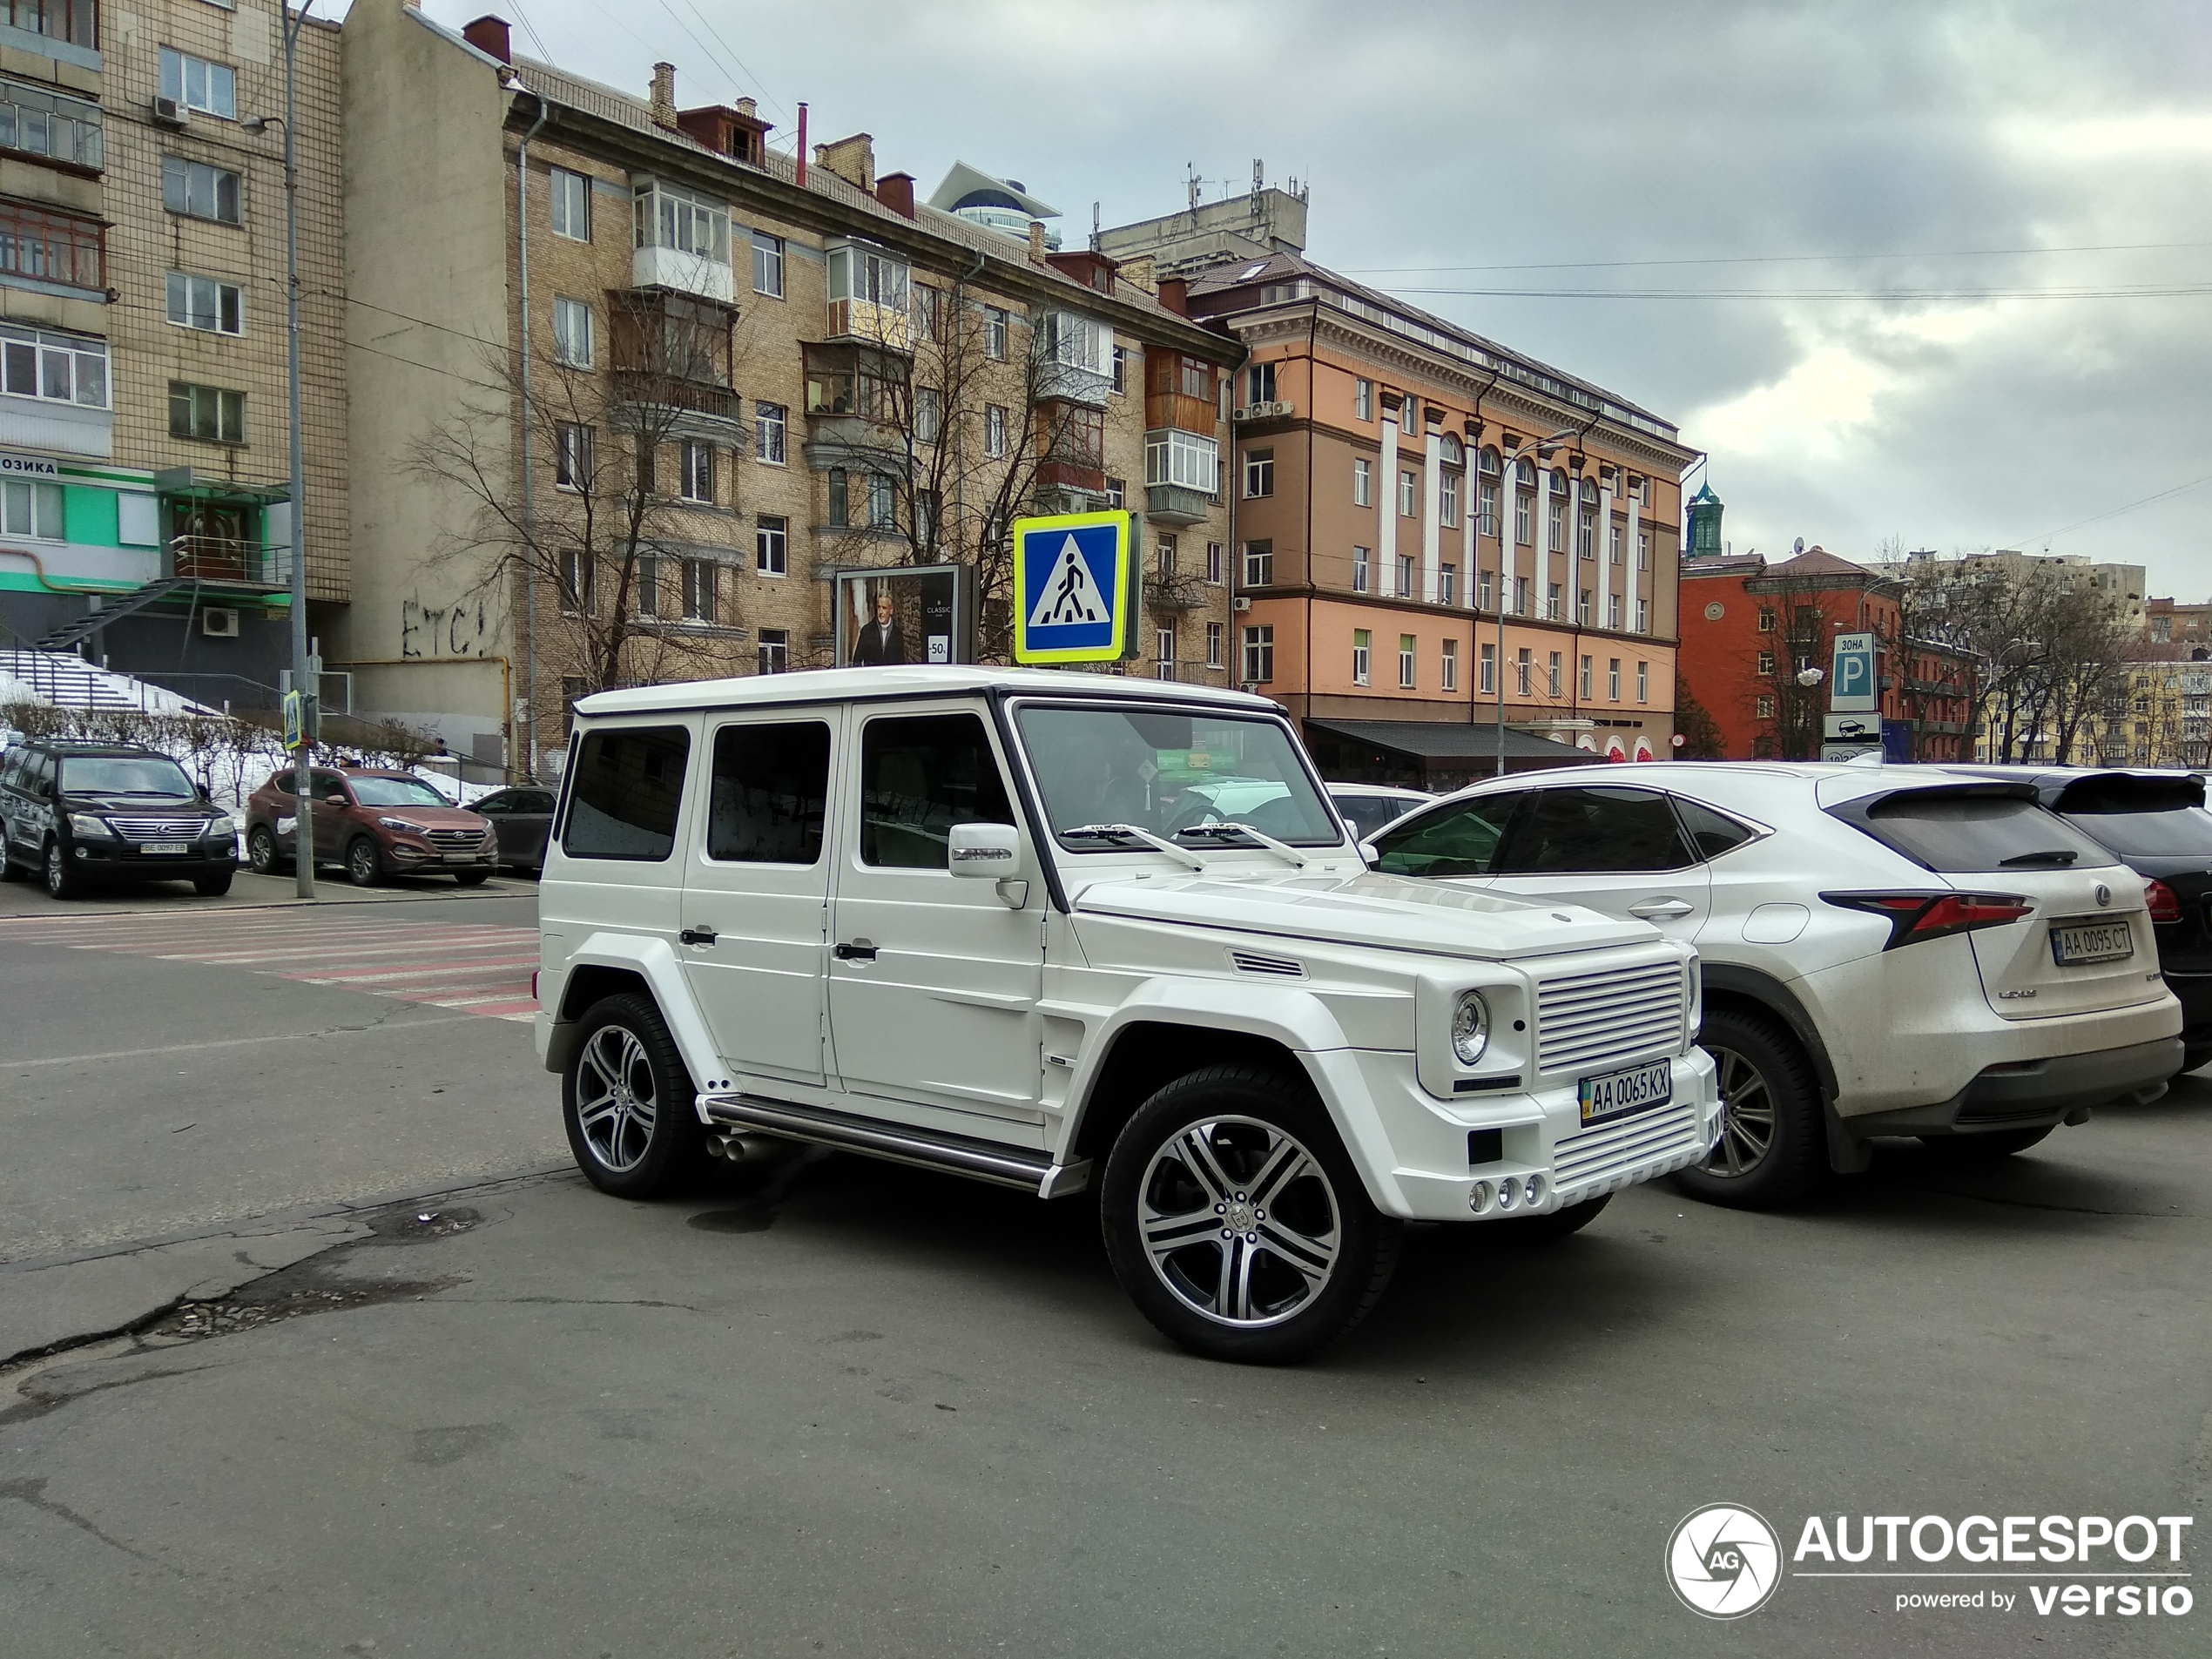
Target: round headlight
x: 1470, y: 1028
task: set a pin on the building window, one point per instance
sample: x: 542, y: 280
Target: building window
x: 1116, y: 495
x: 1587, y: 529
x: 32, y: 510
x: 1405, y: 589
x: 771, y: 426
x: 1613, y: 678
x: 1362, y: 649
x: 1552, y: 601
x: 1643, y: 615
x: 45, y: 124
x: 664, y: 216
x: 1485, y: 507
x: 883, y: 513
x: 1765, y: 662
x: 994, y: 430
x: 1763, y: 708
x: 205, y: 303
x: 1214, y: 633
x: 929, y: 414
x: 199, y: 191
x: 1524, y: 505
x: 1447, y: 499
x: 212, y: 89
x: 1447, y: 665
x: 1259, y: 565
x: 1259, y: 382
x: 1520, y: 595
x: 76, y: 21
x: 1613, y: 611
x: 579, y: 594
x: 1409, y: 414
x: 1643, y: 549
x: 1363, y: 482
x: 698, y: 590
x: 1121, y: 370
x: 572, y: 456
x: 1363, y: 400
x: 1167, y: 550
x: 768, y: 264
x: 1405, y: 649
x: 1213, y: 562
x: 46, y: 244
x: 1583, y: 607
x: 1583, y: 680
x: 1487, y: 670
x: 58, y: 368
x: 1259, y: 473
x: 572, y: 332
x: 1643, y: 681
x: 1556, y: 526
x: 1616, y: 542
x: 1175, y: 457
x: 775, y: 651
x: 572, y: 205
x: 994, y: 332
x: 1523, y: 661
x: 1485, y: 590
x: 1766, y: 619
x: 1163, y: 653
x: 1260, y: 654
x: 1409, y: 495
x: 1359, y: 576
x: 1552, y: 680
x: 207, y: 412
x: 771, y: 545
x: 697, y: 481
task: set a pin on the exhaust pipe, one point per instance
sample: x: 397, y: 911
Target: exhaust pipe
x: 739, y: 1148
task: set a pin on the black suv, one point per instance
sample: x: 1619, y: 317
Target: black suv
x: 2156, y: 824
x: 84, y: 813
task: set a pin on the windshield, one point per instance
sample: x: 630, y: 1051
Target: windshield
x: 148, y: 775
x: 1367, y: 813
x: 395, y: 791
x: 1171, y: 773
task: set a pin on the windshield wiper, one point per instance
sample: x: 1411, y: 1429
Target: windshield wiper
x: 1281, y: 849
x: 1130, y: 833
x: 2048, y: 855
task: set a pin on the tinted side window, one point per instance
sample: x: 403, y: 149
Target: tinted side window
x: 1711, y: 831
x: 1367, y: 813
x: 626, y: 789
x: 769, y: 787
x: 919, y: 776
x: 536, y: 800
x: 1455, y: 840
x: 1593, y: 831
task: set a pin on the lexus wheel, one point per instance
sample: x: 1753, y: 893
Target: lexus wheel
x: 261, y: 850
x: 62, y: 879
x: 1772, y: 1148
x: 628, y: 1103
x: 1236, y: 1222
x: 364, y: 867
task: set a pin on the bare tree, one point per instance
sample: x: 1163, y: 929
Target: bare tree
x: 1789, y: 710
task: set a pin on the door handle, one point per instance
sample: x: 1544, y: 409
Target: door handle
x: 697, y: 936
x: 1660, y: 909
x: 858, y: 951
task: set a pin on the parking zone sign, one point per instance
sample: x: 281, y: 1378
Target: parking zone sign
x: 1852, y: 689
x: 1074, y: 580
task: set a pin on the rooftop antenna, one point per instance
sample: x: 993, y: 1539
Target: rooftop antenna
x: 1259, y: 176
x: 1190, y: 184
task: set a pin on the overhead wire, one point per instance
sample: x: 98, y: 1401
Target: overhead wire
x: 1769, y: 259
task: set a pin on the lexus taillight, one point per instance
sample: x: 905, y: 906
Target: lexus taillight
x: 2164, y: 903
x: 1915, y: 916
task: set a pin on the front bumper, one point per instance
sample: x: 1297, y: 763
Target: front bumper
x: 122, y: 861
x: 417, y: 855
x: 1422, y: 1157
x: 2035, y: 1093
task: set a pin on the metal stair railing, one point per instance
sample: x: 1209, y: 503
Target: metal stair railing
x: 75, y: 632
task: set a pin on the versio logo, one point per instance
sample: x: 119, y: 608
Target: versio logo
x: 1723, y: 1561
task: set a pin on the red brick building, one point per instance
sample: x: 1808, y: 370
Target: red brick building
x: 1750, y: 628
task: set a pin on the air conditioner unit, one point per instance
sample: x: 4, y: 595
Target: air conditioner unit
x: 219, y: 624
x: 170, y: 112
x: 1262, y: 411
x: 1242, y: 602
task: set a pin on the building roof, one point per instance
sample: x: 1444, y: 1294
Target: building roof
x: 1453, y: 740
x: 1725, y: 564
x: 1705, y: 495
x: 842, y: 684
x: 964, y: 182
x: 1818, y: 561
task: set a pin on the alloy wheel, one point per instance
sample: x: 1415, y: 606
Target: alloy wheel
x: 615, y: 1098
x: 1747, y: 1117
x: 1239, y: 1221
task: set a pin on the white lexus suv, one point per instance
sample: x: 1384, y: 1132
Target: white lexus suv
x: 997, y: 923
x: 1886, y: 950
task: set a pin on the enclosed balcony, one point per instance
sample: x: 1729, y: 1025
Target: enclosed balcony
x: 1181, y: 476
x: 672, y: 365
x: 681, y: 242
x: 869, y: 297
x: 1075, y: 358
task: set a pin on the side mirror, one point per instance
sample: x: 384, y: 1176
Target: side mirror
x: 990, y: 851
x: 1368, y: 855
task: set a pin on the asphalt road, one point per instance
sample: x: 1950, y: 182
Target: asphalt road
x: 840, y: 1407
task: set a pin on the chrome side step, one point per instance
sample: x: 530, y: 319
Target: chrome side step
x: 1005, y: 1166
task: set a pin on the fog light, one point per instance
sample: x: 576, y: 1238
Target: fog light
x: 1478, y: 1200
x: 1535, y: 1189
x: 1508, y: 1194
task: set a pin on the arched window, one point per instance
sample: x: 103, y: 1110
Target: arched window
x: 1454, y: 454
x: 1524, y: 472
x: 1488, y: 461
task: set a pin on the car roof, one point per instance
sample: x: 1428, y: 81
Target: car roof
x: 844, y: 685
x: 73, y: 746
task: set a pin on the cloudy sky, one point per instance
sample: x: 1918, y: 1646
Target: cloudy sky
x: 1935, y: 272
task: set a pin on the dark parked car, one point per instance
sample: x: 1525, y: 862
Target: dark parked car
x: 82, y: 814
x: 376, y: 823
x: 2156, y: 824
x: 522, y: 815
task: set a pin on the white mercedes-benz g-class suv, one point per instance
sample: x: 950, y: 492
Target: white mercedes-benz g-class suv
x: 996, y: 922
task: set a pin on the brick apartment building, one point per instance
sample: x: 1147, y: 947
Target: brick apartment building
x: 779, y: 366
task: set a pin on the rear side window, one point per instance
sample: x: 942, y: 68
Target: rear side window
x: 626, y: 788
x: 770, y: 788
x: 919, y: 776
x: 2140, y: 816
x: 1456, y: 840
x: 1594, y: 831
x: 1712, y: 832
x: 1367, y: 813
x: 1960, y: 834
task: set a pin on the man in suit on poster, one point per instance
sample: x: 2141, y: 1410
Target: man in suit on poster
x: 879, y: 644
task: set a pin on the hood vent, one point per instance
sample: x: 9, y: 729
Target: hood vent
x: 1273, y: 967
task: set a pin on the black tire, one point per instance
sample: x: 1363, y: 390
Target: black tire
x: 624, y: 1045
x: 1773, y: 1147
x: 62, y: 879
x: 472, y: 878
x: 364, y: 864
x: 1544, y: 1230
x: 1180, y: 1157
x: 2193, y: 1055
x: 9, y: 870
x: 261, y: 850
x: 1981, y: 1149
x: 213, y: 885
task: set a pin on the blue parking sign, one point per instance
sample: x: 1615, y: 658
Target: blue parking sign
x: 1852, y: 690
x: 1072, y: 582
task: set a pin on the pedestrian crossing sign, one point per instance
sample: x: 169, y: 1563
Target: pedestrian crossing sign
x: 1073, y: 588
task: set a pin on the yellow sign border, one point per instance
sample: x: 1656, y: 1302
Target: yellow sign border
x: 1117, y: 645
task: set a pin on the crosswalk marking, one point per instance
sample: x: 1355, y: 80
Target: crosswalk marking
x: 471, y: 968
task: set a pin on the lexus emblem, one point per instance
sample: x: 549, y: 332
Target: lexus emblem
x: 2104, y: 893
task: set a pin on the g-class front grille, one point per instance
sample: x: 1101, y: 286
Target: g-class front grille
x: 1588, y: 1020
